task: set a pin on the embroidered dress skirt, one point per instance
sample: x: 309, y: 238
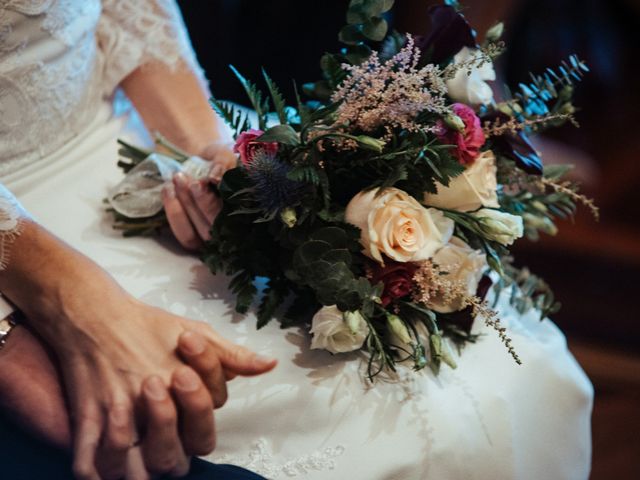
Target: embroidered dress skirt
x: 314, y: 417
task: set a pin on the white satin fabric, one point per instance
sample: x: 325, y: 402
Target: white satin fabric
x: 313, y: 417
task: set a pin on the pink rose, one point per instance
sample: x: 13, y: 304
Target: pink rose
x: 397, y: 279
x: 467, y: 143
x: 247, y: 147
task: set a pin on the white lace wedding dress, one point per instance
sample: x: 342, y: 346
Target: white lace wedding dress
x: 313, y: 417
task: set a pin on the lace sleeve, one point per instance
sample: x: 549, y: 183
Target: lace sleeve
x: 11, y: 215
x: 131, y: 34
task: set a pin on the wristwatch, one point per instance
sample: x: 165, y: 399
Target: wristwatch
x: 7, y: 320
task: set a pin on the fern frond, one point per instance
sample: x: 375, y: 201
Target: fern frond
x: 278, y: 100
x: 235, y: 118
x: 260, y: 104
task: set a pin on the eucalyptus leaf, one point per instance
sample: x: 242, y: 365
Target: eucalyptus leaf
x: 284, y: 134
x: 375, y: 29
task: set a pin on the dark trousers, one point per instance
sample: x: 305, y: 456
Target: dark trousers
x: 23, y: 458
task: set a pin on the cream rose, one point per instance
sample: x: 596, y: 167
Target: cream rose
x: 474, y: 188
x: 394, y: 224
x: 502, y: 227
x: 471, y: 88
x: 464, y: 266
x: 338, y: 332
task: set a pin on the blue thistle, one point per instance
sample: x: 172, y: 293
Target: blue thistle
x: 273, y: 190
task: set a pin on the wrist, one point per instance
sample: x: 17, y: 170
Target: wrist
x: 53, y: 284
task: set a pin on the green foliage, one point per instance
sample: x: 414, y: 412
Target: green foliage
x: 539, y: 207
x: 284, y: 134
x: 526, y: 291
x: 242, y: 285
x: 547, y: 94
x: 324, y: 263
x: 273, y: 297
x: 236, y: 119
x: 365, y: 21
x: 260, y: 104
x: 278, y: 100
x: 130, y: 155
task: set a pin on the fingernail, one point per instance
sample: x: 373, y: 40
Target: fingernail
x: 192, y: 343
x: 180, y: 178
x: 185, y: 379
x: 169, y: 191
x: 196, y: 187
x: 216, y: 173
x: 154, y: 388
x: 261, y: 361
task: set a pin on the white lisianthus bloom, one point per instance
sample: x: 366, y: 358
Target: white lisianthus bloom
x: 394, y: 224
x: 502, y: 227
x: 474, y: 188
x: 338, y: 332
x: 464, y: 266
x: 471, y: 88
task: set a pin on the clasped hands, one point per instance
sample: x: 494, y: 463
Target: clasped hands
x: 131, y: 388
x: 135, y: 410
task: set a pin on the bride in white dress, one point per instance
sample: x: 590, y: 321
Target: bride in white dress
x: 313, y: 417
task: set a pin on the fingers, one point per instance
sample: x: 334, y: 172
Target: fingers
x: 202, y: 357
x: 182, y: 184
x: 223, y: 158
x: 117, y: 440
x: 86, y: 440
x: 196, y: 412
x: 208, y: 203
x: 179, y: 220
x: 161, y: 448
x: 236, y: 359
x: 136, y: 469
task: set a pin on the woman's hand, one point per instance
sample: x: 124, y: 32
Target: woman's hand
x: 38, y: 405
x: 191, y: 205
x: 109, y: 344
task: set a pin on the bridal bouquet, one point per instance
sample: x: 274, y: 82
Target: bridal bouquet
x: 376, y: 209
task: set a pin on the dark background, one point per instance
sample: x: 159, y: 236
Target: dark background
x: 594, y: 268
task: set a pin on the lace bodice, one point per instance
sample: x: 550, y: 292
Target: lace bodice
x: 60, y: 60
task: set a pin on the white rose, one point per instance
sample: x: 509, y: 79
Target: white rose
x: 502, y: 227
x: 395, y: 224
x: 464, y: 266
x: 331, y: 331
x: 471, y: 88
x: 474, y: 188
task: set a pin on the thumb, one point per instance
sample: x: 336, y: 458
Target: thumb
x: 235, y: 359
x: 242, y: 361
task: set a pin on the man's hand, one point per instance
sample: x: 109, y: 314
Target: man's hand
x: 30, y: 388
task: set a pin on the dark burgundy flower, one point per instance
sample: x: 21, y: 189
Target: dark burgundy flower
x: 517, y: 146
x: 397, y: 279
x: 467, y: 143
x: 448, y: 34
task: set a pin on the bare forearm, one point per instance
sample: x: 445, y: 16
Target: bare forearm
x: 43, y: 276
x: 175, y: 104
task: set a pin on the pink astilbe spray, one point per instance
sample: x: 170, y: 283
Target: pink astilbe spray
x: 390, y: 94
